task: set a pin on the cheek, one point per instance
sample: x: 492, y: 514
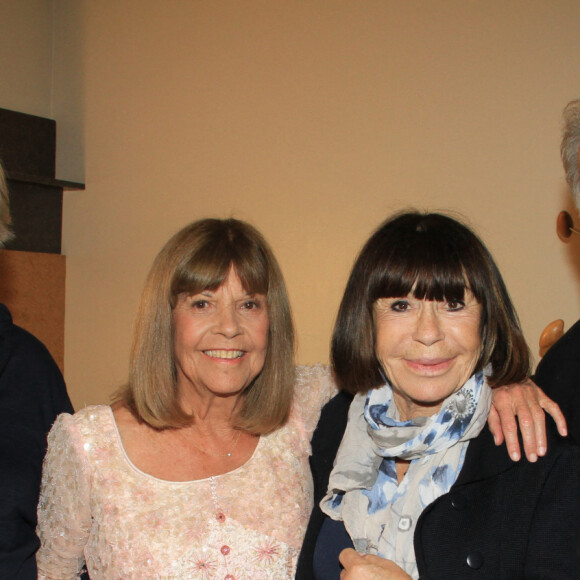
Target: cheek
x: 186, y: 332
x: 179, y: 338
x: 471, y: 340
x: 387, y: 345
x: 259, y: 335
x: 389, y: 334
x: 264, y: 336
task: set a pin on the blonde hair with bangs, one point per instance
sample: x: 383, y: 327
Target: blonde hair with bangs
x: 197, y: 258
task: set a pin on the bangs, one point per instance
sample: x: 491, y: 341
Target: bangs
x: 430, y: 267
x: 209, y: 267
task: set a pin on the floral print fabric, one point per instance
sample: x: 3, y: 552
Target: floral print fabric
x: 96, y: 506
x: 379, y: 513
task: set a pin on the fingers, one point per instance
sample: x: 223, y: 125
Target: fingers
x: 532, y: 421
x: 527, y: 402
x: 495, y: 426
x: 553, y: 409
x: 506, y: 400
x: 348, y: 557
x: 369, y: 567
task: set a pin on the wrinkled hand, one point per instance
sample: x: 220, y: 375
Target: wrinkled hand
x: 528, y: 402
x: 368, y: 567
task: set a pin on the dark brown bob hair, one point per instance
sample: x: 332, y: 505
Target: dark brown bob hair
x: 198, y: 258
x: 437, y: 258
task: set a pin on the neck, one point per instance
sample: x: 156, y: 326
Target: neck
x: 409, y: 409
x: 220, y: 412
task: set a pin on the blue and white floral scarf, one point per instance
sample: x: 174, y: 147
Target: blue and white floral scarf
x: 379, y: 514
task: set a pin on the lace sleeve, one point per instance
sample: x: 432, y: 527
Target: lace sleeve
x: 64, y: 517
x: 315, y: 386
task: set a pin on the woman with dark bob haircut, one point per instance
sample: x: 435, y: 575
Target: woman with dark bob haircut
x: 436, y: 258
x: 200, y: 467
x: 425, y: 330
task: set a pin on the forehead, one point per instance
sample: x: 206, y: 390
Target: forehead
x: 210, y: 276
x: 231, y: 283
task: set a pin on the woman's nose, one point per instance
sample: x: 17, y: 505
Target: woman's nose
x: 428, y: 330
x: 227, y: 322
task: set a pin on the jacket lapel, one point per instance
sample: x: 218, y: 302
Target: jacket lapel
x: 484, y: 459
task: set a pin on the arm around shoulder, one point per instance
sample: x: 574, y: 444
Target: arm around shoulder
x: 314, y: 387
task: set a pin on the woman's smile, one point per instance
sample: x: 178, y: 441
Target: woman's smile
x: 430, y: 366
x: 225, y: 354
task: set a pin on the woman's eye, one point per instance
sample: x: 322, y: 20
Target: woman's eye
x: 454, y: 305
x: 252, y: 304
x: 400, y: 306
x: 199, y: 304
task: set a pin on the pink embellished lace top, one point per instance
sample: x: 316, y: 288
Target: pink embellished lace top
x: 248, y: 524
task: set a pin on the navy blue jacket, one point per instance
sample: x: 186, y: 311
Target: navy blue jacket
x: 500, y: 520
x: 32, y: 394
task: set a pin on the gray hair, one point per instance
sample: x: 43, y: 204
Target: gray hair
x: 569, y: 147
x: 5, y: 231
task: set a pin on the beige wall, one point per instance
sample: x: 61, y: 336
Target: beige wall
x: 26, y: 56
x: 313, y: 120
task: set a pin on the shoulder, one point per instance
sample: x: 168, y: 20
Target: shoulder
x: 562, y: 450
x: 93, y: 416
x: 83, y: 440
x: 314, y: 386
x: 558, y: 374
x: 132, y: 432
x: 330, y: 428
x: 336, y: 410
x: 28, y: 374
x: 312, y: 375
x: 485, y: 461
x: 19, y: 342
x: 92, y: 421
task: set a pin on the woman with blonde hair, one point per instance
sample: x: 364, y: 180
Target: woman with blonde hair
x: 199, y: 469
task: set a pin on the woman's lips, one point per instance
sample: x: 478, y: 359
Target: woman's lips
x: 430, y: 365
x: 224, y: 354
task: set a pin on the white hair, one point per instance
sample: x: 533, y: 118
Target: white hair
x: 5, y: 231
x: 569, y: 147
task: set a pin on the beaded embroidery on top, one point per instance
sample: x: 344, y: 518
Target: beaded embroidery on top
x: 247, y: 524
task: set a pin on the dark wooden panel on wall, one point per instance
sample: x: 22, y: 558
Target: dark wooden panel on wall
x: 27, y: 152
x: 32, y: 271
x: 32, y: 285
x: 36, y: 212
x: 27, y: 143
